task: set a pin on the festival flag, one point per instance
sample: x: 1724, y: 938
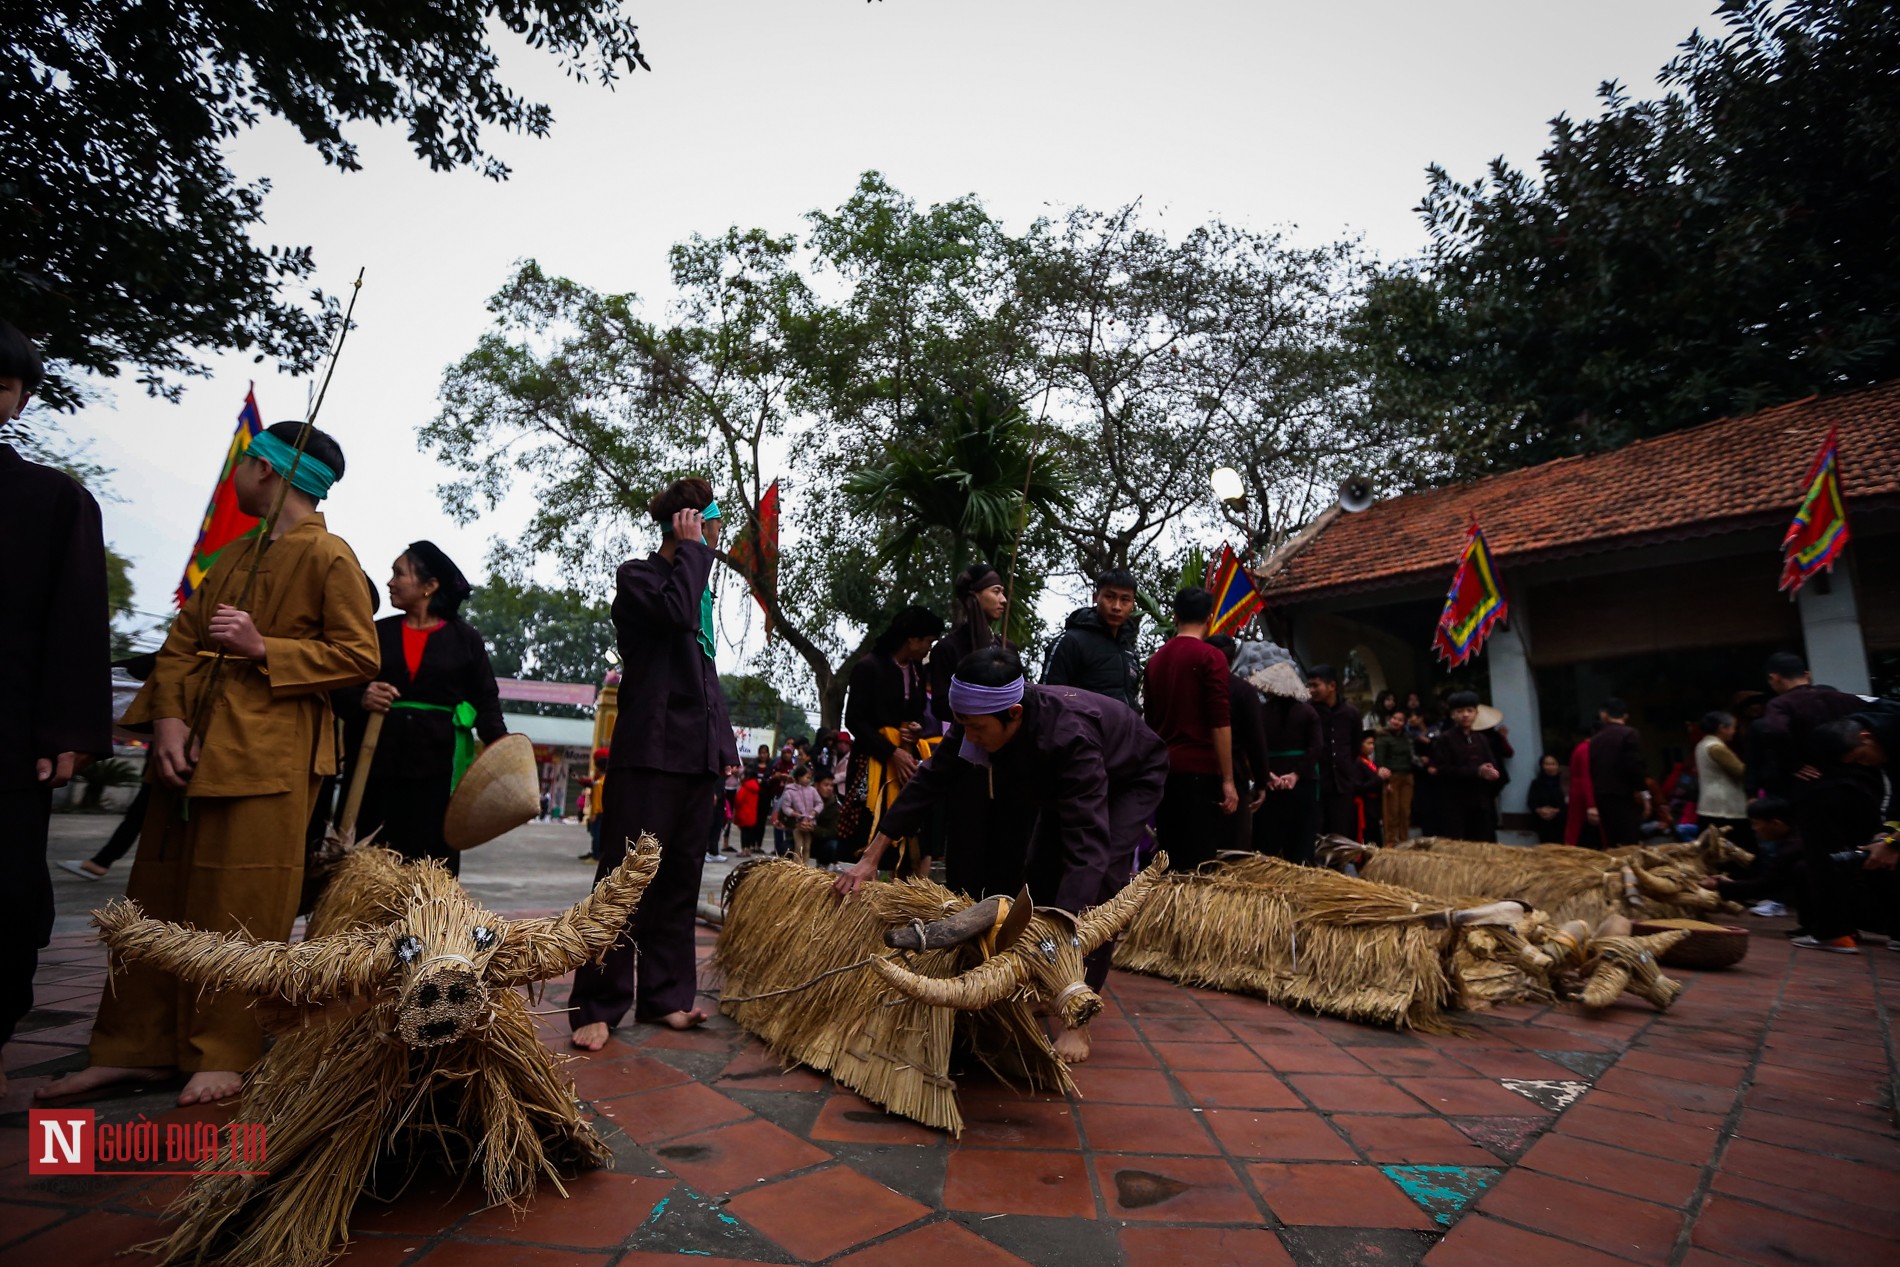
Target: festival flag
x: 1235, y: 598
x: 223, y: 522
x: 1475, y: 603
x: 1819, y: 532
x: 756, y: 552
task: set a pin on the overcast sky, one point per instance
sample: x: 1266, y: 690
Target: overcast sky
x: 1316, y: 117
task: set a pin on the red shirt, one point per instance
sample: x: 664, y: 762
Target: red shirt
x: 413, y: 641
x: 1186, y: 701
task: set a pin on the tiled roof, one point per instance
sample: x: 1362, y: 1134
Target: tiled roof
x: 1722, y: 476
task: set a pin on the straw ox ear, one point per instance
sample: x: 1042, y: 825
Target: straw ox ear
x: 537, y: 949
x: 1108, y: 919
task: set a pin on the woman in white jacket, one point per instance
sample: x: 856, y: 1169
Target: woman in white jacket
x: 1721, y: 801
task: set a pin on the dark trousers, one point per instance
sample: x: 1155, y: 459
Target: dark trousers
x: 26, y: 898
x: 1131, y: 805
x: 1339, y: 813
x: 126, y: 834
x: 1620, y: 819
x: 1189, y: 823
x: 1467, y: 812
x: 407, y: 815
x: 651, y: 968
x: 1288, y: 824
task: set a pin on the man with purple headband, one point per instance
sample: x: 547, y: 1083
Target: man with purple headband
x: 1074, y: 778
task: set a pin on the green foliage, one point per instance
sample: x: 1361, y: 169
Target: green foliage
x: 752, y: 700
x: 125, y: 238
x: 101, y: 775
x: 1731, y: 244
x: 540, y: 634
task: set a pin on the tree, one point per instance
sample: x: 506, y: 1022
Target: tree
x: 124, y: 237
x: 538, y: 633
x: 1731, y: 244
x: 752, y: 700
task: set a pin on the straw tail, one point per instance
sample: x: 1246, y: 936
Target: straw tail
x: 537, y: 949
x: 988, y: 983
x: 308, y: 972
x: 1108, y: 919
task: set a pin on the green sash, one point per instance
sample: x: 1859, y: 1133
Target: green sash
x: 462, y: 718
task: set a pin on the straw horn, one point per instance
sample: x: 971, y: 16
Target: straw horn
x: 537, y: 949
x: 1108, y: 919
x: 988, y: 983
x: 308, y: 972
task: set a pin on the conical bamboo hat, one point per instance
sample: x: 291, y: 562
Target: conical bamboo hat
x: 498, y: 794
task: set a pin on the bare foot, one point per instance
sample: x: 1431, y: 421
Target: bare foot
x: 590, y: 1037
x: 208, y: 1086
x: 97, y: 1078
x: 1072, y: 1046
x: 682, y: 1020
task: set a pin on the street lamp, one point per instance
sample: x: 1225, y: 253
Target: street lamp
x: 1228, y: 486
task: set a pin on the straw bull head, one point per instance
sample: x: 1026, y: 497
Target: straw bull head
x: 411, y: 941
x: 1038, y: 948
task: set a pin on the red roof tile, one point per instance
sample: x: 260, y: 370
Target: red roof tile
x: 1722, y: 476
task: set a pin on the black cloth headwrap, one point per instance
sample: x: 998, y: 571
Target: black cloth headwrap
x: 443, y: 569
x: 985, y: 579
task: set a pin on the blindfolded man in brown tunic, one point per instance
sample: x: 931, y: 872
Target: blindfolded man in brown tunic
x: 223, y: 844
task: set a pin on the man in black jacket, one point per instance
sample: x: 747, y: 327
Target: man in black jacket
x: 1779, y: 759
x: 54, y: 673
x: 1247, y: 714
x: 1342, y: 775
x: 1096, y: 649
x: 1616, y: 776
x: 671, y: 748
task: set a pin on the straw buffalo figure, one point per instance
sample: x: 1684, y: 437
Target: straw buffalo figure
x: 874, y: 989
x: 402, y: 1035
x: 1302, y: 937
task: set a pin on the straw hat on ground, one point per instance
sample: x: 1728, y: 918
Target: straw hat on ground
x: 498, y: 794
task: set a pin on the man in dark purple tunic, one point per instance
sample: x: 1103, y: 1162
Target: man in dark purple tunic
x: 672, y: 746
x: 1074, y: 778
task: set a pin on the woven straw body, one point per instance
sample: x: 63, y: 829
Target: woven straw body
x: 498, y: 793
x: 839, y: 1012
x: 372, y: 1071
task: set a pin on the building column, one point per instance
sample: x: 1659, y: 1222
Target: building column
x: 1514, y: 693
x: 1830, y: 626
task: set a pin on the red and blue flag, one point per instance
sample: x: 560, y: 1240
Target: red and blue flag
x: 1235, y: 598
x: 224, y: 522
x: 1819, y: 532
x: 1474, y: 605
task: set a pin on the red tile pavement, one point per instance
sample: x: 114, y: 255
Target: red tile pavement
x: 1750, y: 1124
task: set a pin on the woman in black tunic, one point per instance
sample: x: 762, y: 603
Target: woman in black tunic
x: 437, y: 691
x: 957, y: 828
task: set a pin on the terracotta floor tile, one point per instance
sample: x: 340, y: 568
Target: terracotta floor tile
x: 18, y: 1221
x: 739, y: 1155
x: 1295, y: 1135
x: 1016, y: 1181
x: 1693, y: 1145
x: 1335, y: 1195
x: 1224, y: 1056
x: 1122, y: 1086
x: 431, y: 1202
x: 1257, y: 1090
x: 817, y: 1215
x: 1774, y: 1237
x: 1410, y: 1062
x: 1175, y: 1190
x: 661, y: 1114
x: 1307, y: 1058
x: 1861, y: 1208
x: 597, y: 1078
x: 1791, y: 1168
x: 1651, y: 1109
x: 1126, y: 1128
x: 465, y: 1254
x: 1618, y: 1169
x: 1515, y: 1064
x: 383, y: 1251
x: 1855, y: 1114
x: 1819, y: 1137
x: 1202, y: 1247
x: 1684, y: 1069
x: 94, y: 1237
x: 650, y: 1258
x: 1412, y: 1141
x: 1118, y: 1054
x: 933, y: 1243
x: 756, y: 1069
x: 1350, y: 1094
x: 1475, y: 1241
x: 1590, y: 1216
x: 709, y: 1037
x: 1007, y: 1121
x: 1650, y: 1089
x: 850, y: 1119
x: 601, y: 1210
x: 1202, y: 1029
x: 1469, y: 1097
x: 1284, y: 1028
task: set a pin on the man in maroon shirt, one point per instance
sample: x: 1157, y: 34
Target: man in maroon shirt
x: 1186, y: 703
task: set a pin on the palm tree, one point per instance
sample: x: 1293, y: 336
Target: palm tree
x: 963, y: 483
